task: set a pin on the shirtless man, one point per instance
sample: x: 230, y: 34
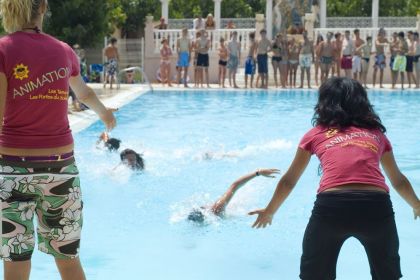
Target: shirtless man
x: 250, y: 60
x: 410, y: 59
x: 305, y: 59
x: 357, y: 58
x: 347, y: 54
x: 400, y: 62
x: 380, y: 58
x: 326, y: 53
x: 338, y: 46
x: 183, y: 48
x: 393, y: 48
x: 112, y: 57
x: 203, y: 57
x: 223, y: 56
x: 417, y: 57
x: 234, y: 50
x: 264, y: 46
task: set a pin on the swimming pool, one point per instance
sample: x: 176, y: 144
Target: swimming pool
x: 135, y: 225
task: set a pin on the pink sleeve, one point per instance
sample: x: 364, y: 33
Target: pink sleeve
x: 75, y: 63
x: 2, y: 63
x: 387, y: 147
x: 307, y: 141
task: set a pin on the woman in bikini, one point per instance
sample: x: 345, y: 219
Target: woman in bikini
x: 276, y: 57
x: 294, y: 51
x: 319, y: 40
x: 165, y: 63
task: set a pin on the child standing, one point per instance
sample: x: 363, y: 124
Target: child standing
x: 183, y: 48
x: 250, y: 60
x: 223, y: 55
x: 264, y: 46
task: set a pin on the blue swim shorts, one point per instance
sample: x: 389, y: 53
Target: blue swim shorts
x: 183, y: 59
x: 249, y: 66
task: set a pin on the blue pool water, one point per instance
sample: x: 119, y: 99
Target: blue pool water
x: 135, y: 225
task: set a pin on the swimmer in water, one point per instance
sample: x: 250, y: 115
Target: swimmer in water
x: 112, y: 144
x: 132, y: 159
x: 218, y: 208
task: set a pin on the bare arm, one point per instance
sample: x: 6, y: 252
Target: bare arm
x: 87, y: 96
x: 3, y: 93
x: 400, y: 182
x: 284, y: 188
x: 223, y: 201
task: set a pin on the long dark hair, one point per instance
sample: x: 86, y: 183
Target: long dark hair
x: 343, y: 102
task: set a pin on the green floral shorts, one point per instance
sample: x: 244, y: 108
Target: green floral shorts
x: 49, y: 190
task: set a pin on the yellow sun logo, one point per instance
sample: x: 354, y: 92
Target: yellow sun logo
x: 331, y: 132
x: 21, y: 72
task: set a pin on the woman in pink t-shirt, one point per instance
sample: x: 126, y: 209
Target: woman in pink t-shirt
x: 353, y: 198
x: 38, y: 174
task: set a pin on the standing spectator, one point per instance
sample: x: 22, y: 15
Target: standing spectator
x: 410, y: 59
x: 319, y: 40
x: 210, y: 24
x: 162, y: 24
x: 230, y: 25
x: 366, y: 51
x: 234, y: 49
x: 347, y: 54
x: 37, y: 145
x: 393, y: 48
x: 198, y: 23
x: 380, y: 58
x: 338, y: 46
x: 112, y: 57
x: 417, y: 57
x: 276, y: 58
x: 294, y: 50
x: 357, y: 58
x: 196, y: 46
x: 183, y: 48
x: 165, y: 63
x: 223, y: 56
x: 400, y: 62
x: 250, y: 64
x: 264, y: 46
x: 326, y: 54
x: 203, y: 57
x: 284, y: 62
x: 305, y: 59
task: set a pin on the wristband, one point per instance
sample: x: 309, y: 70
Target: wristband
x: 257, y: 173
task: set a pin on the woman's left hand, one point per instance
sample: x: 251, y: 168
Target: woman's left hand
x: 416, y: 213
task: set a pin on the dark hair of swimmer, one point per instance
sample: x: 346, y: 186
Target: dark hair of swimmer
x: 132, y: 159
x: 196, y: 216
x: 113, y: 144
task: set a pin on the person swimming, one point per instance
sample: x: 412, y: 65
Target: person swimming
x: 132, y: 159
x: 197, y: 215
x: 112, y: 144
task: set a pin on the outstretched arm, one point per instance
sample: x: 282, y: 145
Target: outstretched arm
x: 400, y: 182
x: 284, y: 188
x: 224, y: 200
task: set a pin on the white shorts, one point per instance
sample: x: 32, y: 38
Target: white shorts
x: 357, y: 64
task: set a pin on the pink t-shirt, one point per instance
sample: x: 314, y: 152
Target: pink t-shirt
x: 38, y: 68
x: 349, y: 156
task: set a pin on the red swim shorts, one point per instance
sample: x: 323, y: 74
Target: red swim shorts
x: 346, y: 62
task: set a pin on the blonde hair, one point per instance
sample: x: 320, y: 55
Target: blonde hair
x: 16, y: 14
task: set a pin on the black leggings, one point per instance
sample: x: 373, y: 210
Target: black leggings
x: 366, y: 216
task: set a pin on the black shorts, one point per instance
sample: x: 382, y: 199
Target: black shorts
x: 276, y: 58
x: 262, y: 60
x: 336, y: 216
x: 410, y: 61
x: 222, y: 62
x: 203, y: 60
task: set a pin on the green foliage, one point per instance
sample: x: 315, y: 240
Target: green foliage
x: 363, y: 8
x: 84, y: 22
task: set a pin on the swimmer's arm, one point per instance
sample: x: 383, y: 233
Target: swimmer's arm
x: 87, y: 96
x: 400, y: 183
x: 3, y: 93
x: 284, y: 188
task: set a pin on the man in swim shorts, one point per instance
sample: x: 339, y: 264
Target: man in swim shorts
x: 400, y: 62
x: 357, y: 58
x: 326, y: 53
x: 380, y: 58
x: 264, y: 46
x: 250, y: 60
x: 219, y: 207
x: 234, y: 49
x: 183, y: 48
x: 112, y: 57
x: 305, y: 59
x: 347, y: 54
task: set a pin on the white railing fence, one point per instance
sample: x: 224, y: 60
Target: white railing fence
x: 365, y: 22
x: 214, y: 36
x: 188, y: 23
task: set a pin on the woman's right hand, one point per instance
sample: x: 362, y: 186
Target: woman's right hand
x: 108, y: 118
x: 416, y: 212
x: 264, y: 218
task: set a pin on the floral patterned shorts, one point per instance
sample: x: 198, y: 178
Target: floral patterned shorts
x: 51, y: 190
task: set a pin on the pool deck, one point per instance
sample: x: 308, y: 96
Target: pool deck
x: 119, y: 97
